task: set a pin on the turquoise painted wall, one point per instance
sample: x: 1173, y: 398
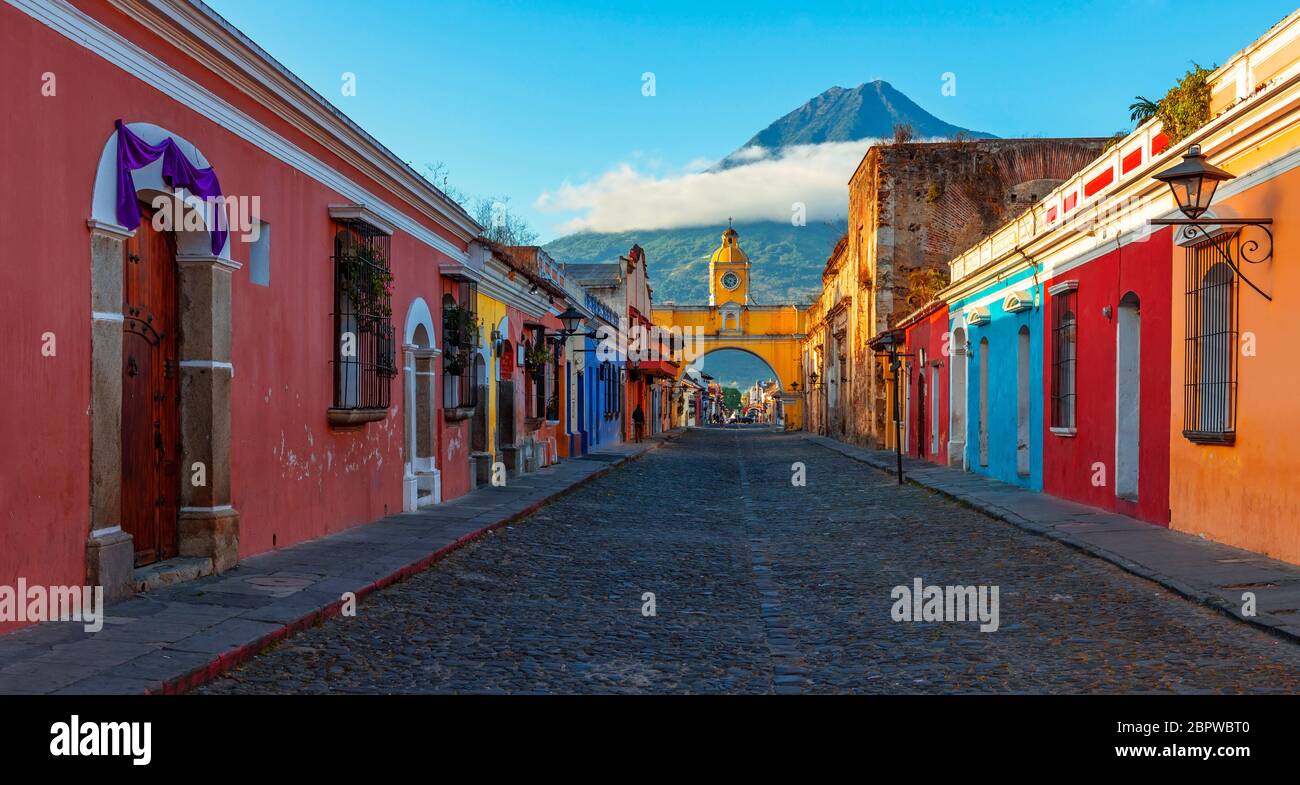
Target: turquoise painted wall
x: 1002, y: 332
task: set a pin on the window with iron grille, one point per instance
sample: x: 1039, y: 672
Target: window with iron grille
x: 364, y: 348
x: 461, y: 361
x: 603, y: 375
x: 553, y: 370
x: 1065, y: 334
x: 1210, y: 345
x: 536, y: 373
x: 612, y: 394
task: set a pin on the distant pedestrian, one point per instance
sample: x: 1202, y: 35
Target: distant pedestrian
x: 638, y: 422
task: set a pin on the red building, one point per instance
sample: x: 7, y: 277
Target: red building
x: 1107, y: 379
x: 926, y: 406
x: 179, y: 391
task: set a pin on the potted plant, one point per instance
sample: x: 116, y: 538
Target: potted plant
x: 460, y: 328
x: 537, y: 355
x: 367, y: 283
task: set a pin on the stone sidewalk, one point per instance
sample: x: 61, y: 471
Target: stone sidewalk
x: 1211, y: 573
x: 172, y: 639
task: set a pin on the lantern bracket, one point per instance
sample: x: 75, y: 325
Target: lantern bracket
x: 1254, y: 251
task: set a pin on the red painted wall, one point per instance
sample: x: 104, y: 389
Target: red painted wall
x: 293, y: 476
x: 454, y: 436
x: 930, y: 335
x: 1068, y: 462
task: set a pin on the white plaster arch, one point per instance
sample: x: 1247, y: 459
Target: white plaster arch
x: 958, y: 389
x: 421, y: 479
x: 416, y: 315
x: 149, y: 182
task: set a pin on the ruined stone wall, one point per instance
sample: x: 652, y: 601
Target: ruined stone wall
x: 912, y: 207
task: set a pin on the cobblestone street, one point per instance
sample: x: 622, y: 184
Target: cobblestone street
x: 761, y: 586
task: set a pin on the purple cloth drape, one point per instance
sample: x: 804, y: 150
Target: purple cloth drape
x: 133, y: 153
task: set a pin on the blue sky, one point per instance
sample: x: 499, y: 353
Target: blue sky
x: 520, y: 99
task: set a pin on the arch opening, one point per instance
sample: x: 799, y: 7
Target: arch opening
x: 749, y: 382
x: 1128, y: 387
x: 421, y: 480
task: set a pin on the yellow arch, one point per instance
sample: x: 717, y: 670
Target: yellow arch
x: 773, y: 333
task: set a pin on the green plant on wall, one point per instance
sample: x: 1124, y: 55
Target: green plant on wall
x: 924, y: 284
x: 460, y: 331
x: 1184, y: 108
x: 537, y: 355
x: 367, y: 282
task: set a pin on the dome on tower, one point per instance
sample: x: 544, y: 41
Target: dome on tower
x: 729, y: 251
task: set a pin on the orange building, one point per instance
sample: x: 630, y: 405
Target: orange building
x: 1235, y: 437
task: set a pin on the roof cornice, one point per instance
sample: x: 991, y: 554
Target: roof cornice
x: 201, y: 33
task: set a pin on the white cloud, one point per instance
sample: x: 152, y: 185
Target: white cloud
x: 765, y: 187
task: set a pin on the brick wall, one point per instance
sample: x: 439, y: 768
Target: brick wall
x: 912, y: 207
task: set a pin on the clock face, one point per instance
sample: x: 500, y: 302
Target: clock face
x: 730, y: 280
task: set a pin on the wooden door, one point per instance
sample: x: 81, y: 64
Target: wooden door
x: 150, y: 394
x: 921, y: 401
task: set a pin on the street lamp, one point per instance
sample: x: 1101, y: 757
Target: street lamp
x: 571, y: 319
x: 1193, y: 182
x: 891, y: 342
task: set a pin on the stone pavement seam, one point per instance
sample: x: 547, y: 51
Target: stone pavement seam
x: 789, y: 673
x: 885, y: 461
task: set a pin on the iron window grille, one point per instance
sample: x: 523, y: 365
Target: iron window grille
x: 462, y: 365
x: 553, y: 371
x: 612, y: 395
x: 1210, y: 345
x: 1065, y: 336
x: 364, y: 347
x: 603, y: 375
x: 536, y: 375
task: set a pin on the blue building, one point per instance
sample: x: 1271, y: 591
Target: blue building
x: 600, y: 391
x: 997, y: 338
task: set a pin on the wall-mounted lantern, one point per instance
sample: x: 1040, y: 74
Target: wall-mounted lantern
x: 1193, y: 182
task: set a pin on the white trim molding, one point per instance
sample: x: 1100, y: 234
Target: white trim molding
x: 1062, y: 287
x: 1018, y: 300
x: 211, y: 365
x: 88, y: 32
x: 361, y: 213
x: 109, y: 229
x: 220, y: 262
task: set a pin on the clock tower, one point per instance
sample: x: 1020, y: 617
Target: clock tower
x: 729, y: 271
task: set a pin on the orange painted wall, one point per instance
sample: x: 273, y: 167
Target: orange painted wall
x: 1248, y: 494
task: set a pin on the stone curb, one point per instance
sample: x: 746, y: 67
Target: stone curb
x: 1263, y: 621
x: 227, y: 660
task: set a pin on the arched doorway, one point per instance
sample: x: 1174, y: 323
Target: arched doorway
x: 150, y: 393
x: 748, y: 376
x: 1023, y: 432
x: 421, y: 482
x: 922, y: 400
x: 1128, y: 388
x: 194, y: 518
x: 959, y: 359
x: 984, y: 402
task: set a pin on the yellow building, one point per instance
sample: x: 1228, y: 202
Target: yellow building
x: 732, y: 320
